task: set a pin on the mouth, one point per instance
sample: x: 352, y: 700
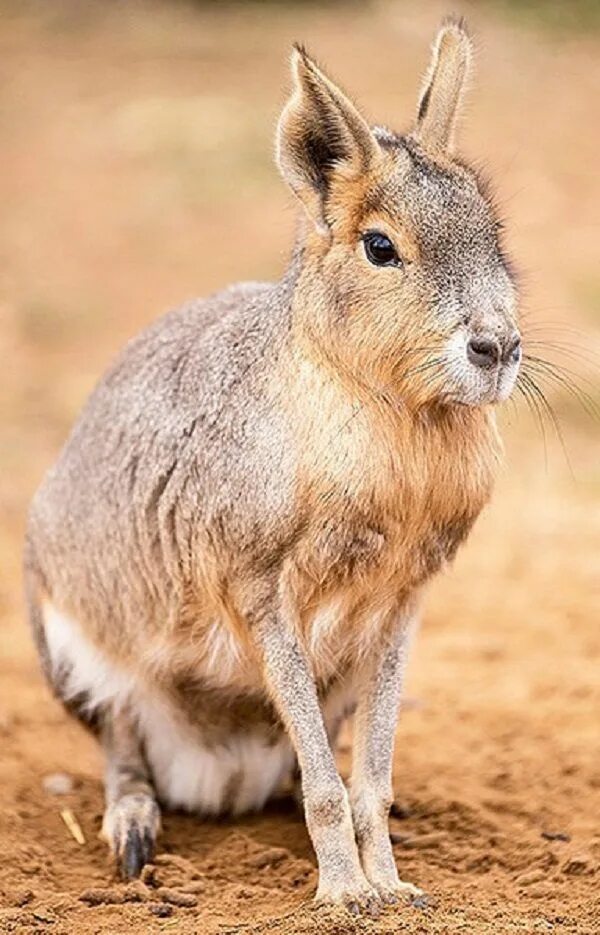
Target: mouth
x: 494, y: 389
x: 470, y: 387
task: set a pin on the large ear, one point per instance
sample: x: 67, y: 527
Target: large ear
x: 444, y: 85
x: 320, y: 131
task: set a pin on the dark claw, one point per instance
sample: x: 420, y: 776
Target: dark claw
x: 353, y: 908
x: 420, y: 902
x: 137, y: 852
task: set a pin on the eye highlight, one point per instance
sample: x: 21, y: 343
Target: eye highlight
x: 379, y: 249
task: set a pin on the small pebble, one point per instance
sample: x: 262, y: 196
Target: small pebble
x: 148, y: 875
x: 57, y: 784
x: 22, y: 897
x: 540, y: 892
x: 135, y: 892
x: 176, y: 897
x: 269, y: 857
x: 194, y: 886
x: 433, y: 839
x: 555, y: 836
x: 102, y: 897
x: 43, y: 915
x: 578, y: 865
x: 162, y: 910
x: 534, y: 876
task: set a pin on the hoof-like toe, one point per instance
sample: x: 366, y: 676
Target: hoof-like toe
x: 391, y: 895
x: 138, y: 851
x: 420, y: 902
x: 360, y: 903
x: 389, y: 898
x: 131, y: 826
x: 367, y: 904
x: 409, y: 891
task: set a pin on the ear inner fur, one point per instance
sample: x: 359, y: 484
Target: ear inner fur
x: 320, y: 132
x: 444, y: 86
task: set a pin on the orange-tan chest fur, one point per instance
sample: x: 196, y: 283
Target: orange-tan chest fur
x: 389, y: 497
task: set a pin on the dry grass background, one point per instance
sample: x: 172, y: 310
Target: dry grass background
x: 136, y: 171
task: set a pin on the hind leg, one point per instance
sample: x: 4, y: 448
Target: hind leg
x: 132, y: 817
x: 73, y: 667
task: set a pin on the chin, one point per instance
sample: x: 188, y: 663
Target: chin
x: 471, y: 397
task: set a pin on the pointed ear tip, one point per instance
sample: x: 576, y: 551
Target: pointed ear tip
x: 299, y: 56
x: 298, y: 50
x: 454, y: 30
x: 457, y: 24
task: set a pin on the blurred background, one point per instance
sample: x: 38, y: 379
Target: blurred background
x: 136, y: 171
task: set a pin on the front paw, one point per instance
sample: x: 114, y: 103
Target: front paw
x: 357, y: 897
x: 397, y: 891
x: 380, y: 870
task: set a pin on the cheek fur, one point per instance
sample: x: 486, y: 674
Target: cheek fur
x: 455, y: 358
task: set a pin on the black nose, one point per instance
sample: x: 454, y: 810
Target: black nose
x: 483, y: 352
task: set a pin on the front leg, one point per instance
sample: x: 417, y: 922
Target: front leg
x: 326, y: 806
x: 371, y: 784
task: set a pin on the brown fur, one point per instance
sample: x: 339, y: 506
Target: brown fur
x: 243, y: 519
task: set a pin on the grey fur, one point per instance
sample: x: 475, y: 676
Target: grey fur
x: 186, y: 485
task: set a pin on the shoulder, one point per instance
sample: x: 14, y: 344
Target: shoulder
x: 200, y: 332
x: 199, y: 315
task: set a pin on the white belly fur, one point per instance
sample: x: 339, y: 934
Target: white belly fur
x: 186, y: 773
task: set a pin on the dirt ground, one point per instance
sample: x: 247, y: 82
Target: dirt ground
x: 135, y: 171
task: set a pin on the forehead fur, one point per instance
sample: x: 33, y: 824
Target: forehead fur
x: 438, y: 197
x: 438, y: 206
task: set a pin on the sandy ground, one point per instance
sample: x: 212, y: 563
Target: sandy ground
x: 135, y: 172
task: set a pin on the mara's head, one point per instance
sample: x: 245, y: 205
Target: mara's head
x: 404, y: 285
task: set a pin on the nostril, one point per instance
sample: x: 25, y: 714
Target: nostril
x: 483, y: 352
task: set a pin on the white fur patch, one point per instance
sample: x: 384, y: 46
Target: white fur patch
x: 241, y: 773
x: 81, y: 667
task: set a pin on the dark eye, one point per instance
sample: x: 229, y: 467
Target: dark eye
x: 380, y: 250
